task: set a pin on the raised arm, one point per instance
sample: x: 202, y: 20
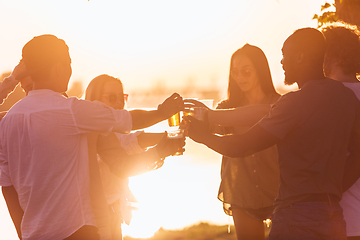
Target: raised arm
x: 98, y: 117
x: 241, y: 116
x: 143, y: 119
x: 254, y: 140
x: 9, y: 84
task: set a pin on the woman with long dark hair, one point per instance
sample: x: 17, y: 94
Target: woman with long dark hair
x: 248, y: 186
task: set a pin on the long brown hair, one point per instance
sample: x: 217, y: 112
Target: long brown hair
x: 235, y: 95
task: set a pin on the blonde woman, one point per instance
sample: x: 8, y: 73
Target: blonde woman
x: 109, y: 90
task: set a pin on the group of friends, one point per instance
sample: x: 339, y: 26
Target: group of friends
x: 294, y: 158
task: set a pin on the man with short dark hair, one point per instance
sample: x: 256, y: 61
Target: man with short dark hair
x: 317, y: 133
x: 44, y: 157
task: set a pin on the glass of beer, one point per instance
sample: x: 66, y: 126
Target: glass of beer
x: 176, y: 135
x: 188, y: 112
x: 196, y: 112
x: 174, y: 120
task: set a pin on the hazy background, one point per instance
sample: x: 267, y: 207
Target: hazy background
x: 156, y: 48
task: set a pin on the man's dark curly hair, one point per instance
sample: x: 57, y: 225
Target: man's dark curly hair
x: 343, y: 47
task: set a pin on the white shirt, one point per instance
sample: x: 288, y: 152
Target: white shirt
x: 44, y: 155
x: 350, y: 201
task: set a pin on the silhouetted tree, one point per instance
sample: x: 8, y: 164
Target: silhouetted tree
x: 345, y: 10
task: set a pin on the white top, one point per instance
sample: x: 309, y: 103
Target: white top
x: 350, y: 201
x: 116, y: 188
x: 44, y: 155
x: 130, y: 142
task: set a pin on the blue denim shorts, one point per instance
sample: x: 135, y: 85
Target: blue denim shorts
x: 310, y: 221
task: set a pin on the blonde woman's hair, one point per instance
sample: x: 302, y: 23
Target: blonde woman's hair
x: 95, y: 88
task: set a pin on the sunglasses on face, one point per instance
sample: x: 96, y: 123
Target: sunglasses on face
x: 113, y: 98
x: 245, y: 72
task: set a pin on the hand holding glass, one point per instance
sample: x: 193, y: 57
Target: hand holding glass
x: 177, y: 136
x: 196, y: 112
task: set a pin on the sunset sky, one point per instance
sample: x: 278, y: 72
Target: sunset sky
x: 143, y: 42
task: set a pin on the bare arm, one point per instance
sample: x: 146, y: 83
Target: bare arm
x: 120, y: 163
x: 13, y: 205
x: 149, y: 139
x: 241, y: 116
x: 9, y: 84
x: 124, y: 165
x: 143, y: 119
x: 254, y: 140
x: 6, y: 87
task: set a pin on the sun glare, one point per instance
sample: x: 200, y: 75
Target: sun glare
x: 178, y: 194
x: 161, y: 198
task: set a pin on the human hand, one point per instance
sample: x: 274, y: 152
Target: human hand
x: 21, y: 75
x: 171, y: 105
x: 9, y: 83
x: 170, y: 146
x: 197, y: 130
x: 19, y: 71
x: 184, y: 126
x: 191, y: 103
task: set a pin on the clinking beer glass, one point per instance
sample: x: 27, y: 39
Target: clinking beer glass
x: 174, y: 120
x: 196, y: 112
x: 178, y: 134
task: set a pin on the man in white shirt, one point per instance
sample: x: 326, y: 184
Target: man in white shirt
x: 43, y: 147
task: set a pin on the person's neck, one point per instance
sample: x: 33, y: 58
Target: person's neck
x: 338, y: 75
x: 254, y: 97
x: 309, y: 75
x: 44, y: 85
